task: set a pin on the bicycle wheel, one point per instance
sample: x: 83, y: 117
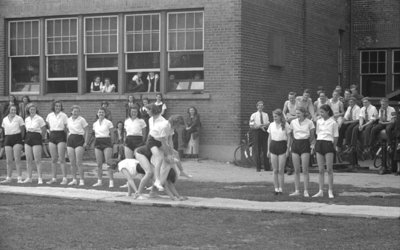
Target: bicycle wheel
x: 378, y: 159
x: 243, y: 155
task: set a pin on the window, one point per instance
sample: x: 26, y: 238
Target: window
x: 185, y: 51
x: 142, y: 48
x: 396, y: 70
x: 61, y: 55
x: 101, y: 49
x: 373, y: 73
x: 23, y: 52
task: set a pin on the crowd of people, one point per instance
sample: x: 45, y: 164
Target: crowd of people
x: 325, y: 127
x: 143, y: 144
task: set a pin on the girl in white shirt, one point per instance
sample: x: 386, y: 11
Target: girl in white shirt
x: 278, y: 147
x: 108, y: 87
x: 161, y: 104
x: 36, y: 129
x: 327, y: 136
x: 135, y: 129
x: 57, y: 124
x: 302, y: 131
x: 14, y: 129
x: 76, y: 143
x: 102, y: 130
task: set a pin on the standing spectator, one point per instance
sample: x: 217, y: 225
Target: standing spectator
x: 289, y: 108
x: 108, y: 87
x: 145, y: 115
x: 191, y: 138
x: 302, y: 131
x: 327, y: 135
x: 14, y: 130
x: 96, y: 85
x: 259, y: 122
x: 355, y: 94
x: 12, y: 101
x: 135, y: 129
x: 118, y: 141
x: 278, y: 148
x: 130, y: 104
x: 322, y: 100
x: 337, y: 108
x: 306, y: 102
x: 346, y: 98
x: 104, y: 105
x: 102, y: 130
x: 153, y: 82
x: 57, y: 124
x: 36, y: 129
x: 23, y: 105
x: 76, y: 143
x: 138, y: 84
x: 161, y: 104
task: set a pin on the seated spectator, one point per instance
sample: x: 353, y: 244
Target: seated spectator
x: 346, y: 98
x: 118, y: 141
x: 108, y: 87
x: 138, y: 84
x: 322, y: 100
x: 289, y: 108
x: 337, y: 108
x: 339, y: 89
x: 96, y: 85
x: 355, y: 94
x: 23, y: 105
x: 191, y: 138
x: 306, y: 102
x: 153, y: 81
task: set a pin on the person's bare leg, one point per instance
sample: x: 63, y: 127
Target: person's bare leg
x: 17, y: 150
x: 305, y: 161
x: 37, y: 155
x: 296, y: 165
x: 329, y: 167
x: 282, y: 163
x: 54, y: 158
x: 99, y: 160
x: 79, y: 151
x: 148, y: 169
x: 321, y: 167
x: 61, y: 148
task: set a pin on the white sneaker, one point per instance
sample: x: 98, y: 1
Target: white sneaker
x: 64, y: 181
x: 40, y: 181
x: 330, y: 194
x: 99, y: 183
x: 81, y: 182
x: 7, y: 180
x: 27, y: 180
x: 111, y: 185
x: 306, y: 194
x: 319, y: 194
x: 19, y: 180
x: 124, y: 186
x: 296, y: 193
x: 73, y: 182
x: 158, y: 185
x: 53, y: 180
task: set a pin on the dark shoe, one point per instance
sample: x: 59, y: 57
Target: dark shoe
x: 66, y: 159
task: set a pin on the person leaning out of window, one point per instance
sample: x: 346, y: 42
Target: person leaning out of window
x: 108, y: 86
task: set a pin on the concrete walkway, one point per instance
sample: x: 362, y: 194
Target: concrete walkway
x: 212, y: 171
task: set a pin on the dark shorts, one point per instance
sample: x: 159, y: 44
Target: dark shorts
x: 324, y: 147
x: 11, y: 140
x: 75, y: 141
x: 144, y: 150
x: 151, y: 142
x: 57, y: 137
x: 139, y: 169
x: 102, y: 143
x: 33, y: 139
x: 301, y: 146
x: 278, y: 147
x: 171, y: 176
x: 132, y: 142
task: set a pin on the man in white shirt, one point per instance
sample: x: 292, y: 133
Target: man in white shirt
x: 351, y: 118
x: 259, y: 123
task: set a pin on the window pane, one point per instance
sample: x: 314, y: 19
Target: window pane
x: 146, y: 42
x: 28, y: 50
x: 20, y: 30
x: 185, y: 59
x: 189, y: 40
x: 138, y: 42
x: 143, y: 60
x: 50, y: 29
x: 138, y: 23
x: 155, y: 22
x: 181, y: 41
x: 20, y: 47
x: 89, y: 44
x: 65, y: 27
x: 65, y: 47
x: 35, y: 28
x: 28, y: 29
x: 113, y: 43
x: 396, y: 83
x: 62, y: 86
x: 181, y: 21
x: 381, y: 67
x: 57, y: 27
x: 190, y: 21
x: 129, y: 42
x: 102, y: 61
x: 396, y: 56
x: 113, y: 23
x: 25, y: 74
x: 185, y: 80
x: 13, y: 30
x: 146, y: 22
x: 365, y: 68
x: 198, y: 40
x: 59, y: 67
x: 57, y: 47
x: 373, y: 56
x: 129, y: 23
x: 96, y: 23
x: 88, y: 25
x: 96, y: 43
x: 111, y: 74
x: 199, y: 20
x: 105, y: 25
x: 13, y: 47
x: 172, y: 41
x: 105, y: 43
x: 382, y: 56
x: 373, y: 67
x: 155, y: 41
x: 365, y: 56
x: 396, y: 67
x: 172, y: 21
x: 73, y: 47
x: 373, y: 85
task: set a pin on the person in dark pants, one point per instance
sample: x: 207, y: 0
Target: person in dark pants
x: 259, y: 122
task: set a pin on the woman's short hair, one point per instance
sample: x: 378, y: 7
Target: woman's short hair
x: 27, y: 98
x: 303, y: 110
x: 159, y: 94
x: 30, y: 105
x: 192, y: 107
x: 154, y: 109
x: 53, y: 105
x: 279, y: 113
x: 75, y: 107
x: 327, y: 109
x: 11, y: 106
x: 130, y: 110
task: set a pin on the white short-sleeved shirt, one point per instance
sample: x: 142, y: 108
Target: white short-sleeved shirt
x: 34, y: 124
x: 130, y: 165
x: 103, y: 129
x: 277, y: 133
x: 57, y: 122
x: 153, y: 122
x: 355, y: 113
x: 372, y: 112
x: 161, y: 129
x: 134, y: 127
x: 77, y: 126
x: 255, y: 118
x: 301, y: 131
x: 327, y: 130
x: 14, y: 126
x: 389, y: 113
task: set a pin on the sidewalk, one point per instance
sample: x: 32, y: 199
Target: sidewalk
x: 212, y: 171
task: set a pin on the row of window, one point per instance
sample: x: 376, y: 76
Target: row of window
x: 101, y: 50
x: 379, y: 72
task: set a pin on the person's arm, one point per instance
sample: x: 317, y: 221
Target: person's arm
x: 163, y: 109
x: 268, y: 146
x: 289, y: 141
x: 149, y: 87
x: 285, y: 109
x: 22, y: 131
x: 131, y: 182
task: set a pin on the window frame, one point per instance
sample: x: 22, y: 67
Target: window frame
x: 16, y: 56
x: 85, y: 36
x: 372, y: 50
x: 394, y: 73
x: 45, y: 36
x: 141, y: 52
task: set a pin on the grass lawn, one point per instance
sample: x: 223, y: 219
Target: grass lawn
x: 49, y: 223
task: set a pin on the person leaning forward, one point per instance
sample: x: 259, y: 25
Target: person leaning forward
x: 259, y: 123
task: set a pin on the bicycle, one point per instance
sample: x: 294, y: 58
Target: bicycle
x: 243, y: 154
x: 379, y: 156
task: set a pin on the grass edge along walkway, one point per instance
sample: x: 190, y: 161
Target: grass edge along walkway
x: 306, y: 208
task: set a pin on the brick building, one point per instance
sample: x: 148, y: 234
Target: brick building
x: 220, y: 56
